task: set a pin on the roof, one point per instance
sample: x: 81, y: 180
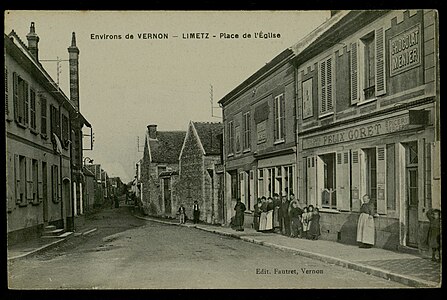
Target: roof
x: 166, y: 147
x: 19, y: 51
x: 208, y: 134
x: 284, y: 57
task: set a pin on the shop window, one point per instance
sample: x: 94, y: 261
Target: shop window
x: 261, y: 190
x: 271, y: 182
x: 328, y: 190
x: 288, y: 180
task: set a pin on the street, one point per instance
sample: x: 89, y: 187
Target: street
x: 129, y: 253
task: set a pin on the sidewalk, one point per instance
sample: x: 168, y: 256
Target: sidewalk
x: 404, y: 268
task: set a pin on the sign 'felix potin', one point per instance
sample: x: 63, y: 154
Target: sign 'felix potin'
x: 405, y: 50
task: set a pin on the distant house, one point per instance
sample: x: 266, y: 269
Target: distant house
x: 160, y: 157
x: 199, y: 177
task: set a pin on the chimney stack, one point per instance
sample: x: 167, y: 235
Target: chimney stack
x: 152, y: 131
x: 33, y: 41
x: 73, y: 57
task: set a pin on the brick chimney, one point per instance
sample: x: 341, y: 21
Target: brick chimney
x: 73, y: 57
x: 33, y: 41
x: 152, y: 131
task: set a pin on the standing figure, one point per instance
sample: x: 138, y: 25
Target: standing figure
x: 181, y: 213
x: 365, y: 225
x: 314, y: 225
x: 239, y: 216
x: 276, y: 211
x: 434, y: 234
x: 284, y: 216
x: 196, y: 212
x: 295, y: 213
x: 257, y: 214
x: 305, y: 221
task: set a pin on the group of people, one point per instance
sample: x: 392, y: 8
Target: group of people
x: 286, y: 216
x: 195, y: 213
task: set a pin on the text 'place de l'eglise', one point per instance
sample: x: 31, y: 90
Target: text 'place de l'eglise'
x: 350, y: 110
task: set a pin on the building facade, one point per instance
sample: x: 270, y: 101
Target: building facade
x: 368, y: 122
x: 160, y: 155
x: 38, y: 120
x: 199, y: 179
x: 259, y: 136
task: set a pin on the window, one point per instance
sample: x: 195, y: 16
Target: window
x: 247, y: 131
x: 271, y: 182
x: 6, y: 92
x: 20, y: 178
x: 234, y: 185
x: 33, y: 109
x: 369, y: 71
x: 65, y: 131
x: 230, y: 138
x: 328, y: 192
x: 326, y: 86
x: 371, y: 174
x: 43, y: 116
x: 279, y: 117
x: 35, y: 170
x: 367, y: 63
x: 54, y: 120
x: 21, y: 101
x: 288, y: 180
x: 261, y: 191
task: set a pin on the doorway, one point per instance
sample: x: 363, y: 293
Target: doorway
x: 412, y: 199
x: 167, y: 195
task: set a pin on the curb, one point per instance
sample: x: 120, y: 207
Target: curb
x: 388, y: 275
x: 40, y: 249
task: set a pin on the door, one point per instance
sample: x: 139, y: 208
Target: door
x: 167, y: 195
x: 412, y: 198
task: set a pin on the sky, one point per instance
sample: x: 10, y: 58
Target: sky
x: 127, y: 84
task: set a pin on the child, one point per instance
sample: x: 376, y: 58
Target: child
x: 181, y: 212
x: 433, y: 237
x: 314, y: 227
x: 305, y: 221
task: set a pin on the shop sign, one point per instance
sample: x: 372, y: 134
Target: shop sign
x: 405, y: 50
x: 372, y: 129
x: 261, y: 132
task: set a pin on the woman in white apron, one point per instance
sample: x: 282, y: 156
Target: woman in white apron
x: 365, y: 225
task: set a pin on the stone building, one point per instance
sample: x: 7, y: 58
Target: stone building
x: 39, y: 119
x: 160, y: 155
x: 199, y: 179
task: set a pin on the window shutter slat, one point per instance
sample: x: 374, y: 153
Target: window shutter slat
x: 329, y: 89
x: 275, y: 129
x: 380, y: 62
x: 381, y: 180
x: 26, y: 107
x: 354, y: 74
x: 282, y: 118
x: 323, y: 95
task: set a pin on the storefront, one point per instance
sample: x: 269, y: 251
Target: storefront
x: 387, y: 157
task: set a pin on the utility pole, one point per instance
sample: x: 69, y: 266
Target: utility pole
x: 212, y: 103
x: 58, y: 66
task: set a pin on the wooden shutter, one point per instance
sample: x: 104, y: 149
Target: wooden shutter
x: 6, y: 93
x: 275, y: 122
x: 323, y: 92
x: 29, y: 179
x: 15, y: 92
x: 17, y: 176
x: 26, y: 97
x: 10, y: 182
x: 355, y: 179
x: 354, y: 73
x: 380, y: 62
x: 39, y: 180
x: 242, y: 186
x: 311, y: 181
x: 252, y: 190
x: 329, y: 84
x: 319, y: 169
x: 282, y: 121
x: 381, y: 180
x: 343, y: 181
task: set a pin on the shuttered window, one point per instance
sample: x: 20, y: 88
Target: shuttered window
x: 380, y: 62
x: 326, y: 96
x: 279, y: 117
x: 65, y: 131
x: 6, y: 93
x: 230, y: 138
x: 21, y: 100
x: 32, y: 109
x: 43, y: 116
x: 246, y: 129
x: 354, y: 73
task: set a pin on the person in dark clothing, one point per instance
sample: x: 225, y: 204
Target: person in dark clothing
x: 257, y: 214
x: 276, y: 212
x: 239, y: 216
x: 284, y: 216
x: 295, y: 213
x: 117, y: 201
x: 196, y: 212
x: 314, y: 226
x: 434, y: 233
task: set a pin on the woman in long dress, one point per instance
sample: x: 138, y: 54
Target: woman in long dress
x: 365, y: 225
x: 257, y: 214
x: 239, y: 216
